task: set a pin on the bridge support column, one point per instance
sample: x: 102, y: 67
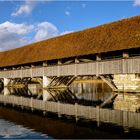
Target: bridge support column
x: 6, y: 91
x: 98, y: 115
x: 6, y: 81
x: 46, y: 95
x: 46, y: 81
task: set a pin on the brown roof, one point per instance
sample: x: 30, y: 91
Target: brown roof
x: 123, y: 34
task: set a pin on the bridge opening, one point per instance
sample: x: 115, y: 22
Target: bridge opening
x: 134, y: 52
x: 112, y: 55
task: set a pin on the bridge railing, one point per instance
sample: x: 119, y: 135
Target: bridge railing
x: 117, y: 117
x: 118, y: 66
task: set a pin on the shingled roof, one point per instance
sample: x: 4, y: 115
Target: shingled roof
x: 119, y: 35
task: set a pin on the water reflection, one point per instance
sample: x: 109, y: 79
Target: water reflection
x: 63, y: 95
x: 32, y: 126
x: 127, y: 102
x: 82, y: 93
x: 89, y: 94
x: 11, y: 130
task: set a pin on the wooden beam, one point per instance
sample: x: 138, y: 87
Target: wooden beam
x: 76, y: 60
x: 98, y: 57
x: 109, y: 81
x: 125, y: 55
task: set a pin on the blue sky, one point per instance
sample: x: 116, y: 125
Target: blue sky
x: 24, y: 22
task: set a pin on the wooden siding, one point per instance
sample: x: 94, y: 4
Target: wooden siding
x: 119, y: 66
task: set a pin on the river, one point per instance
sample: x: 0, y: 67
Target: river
x: 15, y: 123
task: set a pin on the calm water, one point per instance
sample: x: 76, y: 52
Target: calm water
x: 85, y: 94
x: 22, y: 124
x: 19, y: 124
x: 12, y: 130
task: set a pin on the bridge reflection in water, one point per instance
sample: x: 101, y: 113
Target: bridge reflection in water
x: 90, y: 94
x: 81, y: 100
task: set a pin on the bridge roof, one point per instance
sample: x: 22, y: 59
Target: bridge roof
x: 119, y: 35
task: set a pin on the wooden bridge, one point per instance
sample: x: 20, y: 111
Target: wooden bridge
x: 63, y: 74
x: 102, y: 51
x: 100, y: 115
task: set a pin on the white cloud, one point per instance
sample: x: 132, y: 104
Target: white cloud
x: 84, y: 5
x: 12, y: 35
x: 123, y: 17
x: 66, y: 32
x: 15, y: 28
x: 67, y: 13
x: 26, y: 8
x: 45, y: 30
x: 136, y: 2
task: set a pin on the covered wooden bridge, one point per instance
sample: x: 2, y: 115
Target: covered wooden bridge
x: 103, y: 51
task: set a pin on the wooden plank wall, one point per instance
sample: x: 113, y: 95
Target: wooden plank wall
x: 118, y: 66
